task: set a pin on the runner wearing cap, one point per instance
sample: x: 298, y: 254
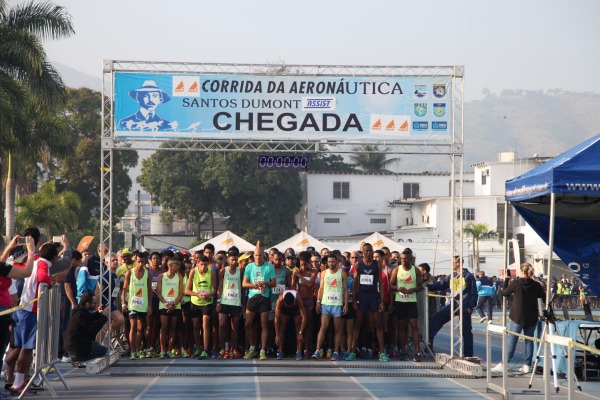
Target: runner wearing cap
x: 290, y: 262
x: 169, y: 290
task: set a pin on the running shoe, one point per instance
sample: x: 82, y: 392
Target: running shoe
x: 395, y: 354
x: 279, y: 355
x: 263, y: 355
x: 148, y: 353
x: 369, y: 353
x: 335, y: 356
x: 250, y: 354
x: 227, y: 354
x: 127, y: 353
x: 343, y: 355
x: 214, y: 353
x: 140, y: 355
x: 317, y: 355
x: 404, y: 357
x: 329, y: 354
x: 186, y: 354
x: 196, y: 353
x: 221, y: 354
x: 383, y: 357
x: 235, y: 354
x: 133, y: 356
x: 17, y: 391
x: 203, y: 355
x: 172, y: 354
x: 351, y: 356
x: 306, y: 354
x: 299, y: 356
x: 162, y: 355
x: 417, y: 357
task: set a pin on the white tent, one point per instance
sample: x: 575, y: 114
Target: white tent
x: 300, y: 242
x: 378, y: 241
x: 224, y: 241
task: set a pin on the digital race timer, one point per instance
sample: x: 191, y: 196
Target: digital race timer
x: 283, y: 162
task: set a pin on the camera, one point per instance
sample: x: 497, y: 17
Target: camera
x: 56, y: 239
x: 21, y: 241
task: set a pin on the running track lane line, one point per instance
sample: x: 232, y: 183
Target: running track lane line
x: 470, y: 389
x: 371, y: 395
x: 139, y: 396
x: 256, y: 382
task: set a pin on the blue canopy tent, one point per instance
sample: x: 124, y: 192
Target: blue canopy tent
x: 560, y: 200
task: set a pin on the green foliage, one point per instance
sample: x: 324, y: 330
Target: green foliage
x: 479, y: 232
x: 323, y: 162
x: 259, y: 205
x: 79, y: 170
x: 54, y: 211
x: 370, y: 160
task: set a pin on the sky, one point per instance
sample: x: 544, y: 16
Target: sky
x: 513, y: 44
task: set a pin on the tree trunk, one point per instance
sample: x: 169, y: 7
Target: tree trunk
x: 10, y: 200
x: 476, y: 255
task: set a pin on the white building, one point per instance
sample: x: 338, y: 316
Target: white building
x: 415, y: 209
x: 346, y: 204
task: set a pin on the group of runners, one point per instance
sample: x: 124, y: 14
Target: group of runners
x: 233, y: 305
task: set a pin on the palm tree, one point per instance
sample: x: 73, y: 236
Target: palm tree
x: 369, y: 159
x: 55, y: 212
x: 479, y: 232
x: 26, y: 73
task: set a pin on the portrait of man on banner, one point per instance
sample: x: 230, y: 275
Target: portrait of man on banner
x: 149, y: 96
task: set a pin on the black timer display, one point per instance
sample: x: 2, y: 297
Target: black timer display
x: 283, y: 162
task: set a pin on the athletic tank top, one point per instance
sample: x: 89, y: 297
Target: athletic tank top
x: 138, y: 292
x: 280, y: 288
x: 333, y: 288
x: 407, y: 280
x: 186, y: 298
x: 202, y: 284
x: 154, y: 278
x: 170, y: 291
x: 368, y: 276
x: 232, y: 288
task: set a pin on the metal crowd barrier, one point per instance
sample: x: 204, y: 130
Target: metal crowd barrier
x: 47, y: 335
x: 549, y: 340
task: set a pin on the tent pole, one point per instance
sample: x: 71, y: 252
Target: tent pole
x: 547, y: 350
x: 506, y: 203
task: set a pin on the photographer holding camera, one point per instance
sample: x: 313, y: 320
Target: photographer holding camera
x: 523, y: 312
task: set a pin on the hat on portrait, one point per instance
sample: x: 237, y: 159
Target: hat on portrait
x: 149, y: 86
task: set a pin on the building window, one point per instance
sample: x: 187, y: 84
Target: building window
x: 341, y: 190
x: 481, y: 260
x: 378, y: 220
x: 331, y: 220
x: 483, y: 179
x: 410, y: 190
x: 468, y: 214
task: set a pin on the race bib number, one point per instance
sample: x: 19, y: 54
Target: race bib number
x: 170, y: 300
x: 278, y: 289
x: 232, y: 294
x: 403, y: 296
x: 366, y: 279
x: 154, y: 285
x: 115, y: 292
x: 333, y: 297
x: 138, y: 301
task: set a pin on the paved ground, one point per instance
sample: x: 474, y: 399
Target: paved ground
x: 290, y: 379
